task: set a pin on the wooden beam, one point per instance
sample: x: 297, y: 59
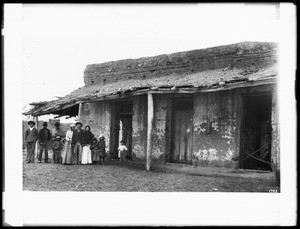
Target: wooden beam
x: 37, y: 122
x: 36, y: 144
x: 149, y: 131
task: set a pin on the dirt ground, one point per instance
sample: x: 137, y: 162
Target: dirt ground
x: 132, y: 177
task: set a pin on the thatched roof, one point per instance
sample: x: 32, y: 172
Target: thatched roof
x: 243, y: 70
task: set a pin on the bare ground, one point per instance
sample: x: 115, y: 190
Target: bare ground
x: 132, y: 177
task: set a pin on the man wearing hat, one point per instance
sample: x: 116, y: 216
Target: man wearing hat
x: 31, y: 136
x: 44, y: 139
x: 77, y: 143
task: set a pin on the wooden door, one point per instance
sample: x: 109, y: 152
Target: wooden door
x: 182, y: 136
x: 256, y: 134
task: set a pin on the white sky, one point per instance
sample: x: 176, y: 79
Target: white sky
x: 60, y: 40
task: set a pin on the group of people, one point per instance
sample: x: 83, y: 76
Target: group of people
x: 77, y: 146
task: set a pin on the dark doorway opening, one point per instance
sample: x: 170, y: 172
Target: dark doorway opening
x: 181, y: 131
x: 256, y: 133
x: 123, y: 126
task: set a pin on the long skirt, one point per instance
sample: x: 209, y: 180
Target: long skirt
x: 96, y: 155
x: 67, y: 155
x: 86, y: 155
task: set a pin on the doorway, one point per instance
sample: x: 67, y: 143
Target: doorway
x: 123, y: 127
x: 181, y: 131
x: 256, y: 133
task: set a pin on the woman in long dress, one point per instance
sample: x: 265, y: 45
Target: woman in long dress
x: 86, y: 143
x: 67, y: 157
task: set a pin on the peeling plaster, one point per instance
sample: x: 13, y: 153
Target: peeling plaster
x: 138, y: 151
x: 200, y: 128
x: 204, y: 154
x: 215, y: 126
x: 229, y: 154
x: 156, y: 153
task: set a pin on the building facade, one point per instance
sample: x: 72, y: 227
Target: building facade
x: 209, y: 107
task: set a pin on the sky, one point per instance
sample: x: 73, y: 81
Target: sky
x: 58, y: 41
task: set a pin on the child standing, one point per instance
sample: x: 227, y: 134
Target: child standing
x: 95, y: 151
x: 102, y: 145
x: 57, y: 147
x: 122, y: 151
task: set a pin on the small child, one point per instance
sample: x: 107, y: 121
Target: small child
x: 57, y: 147
x: 122, y: 151
x: 95, y: 151
x: 102, y: 145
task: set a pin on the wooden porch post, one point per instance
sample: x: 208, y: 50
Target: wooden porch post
x: 37, y: 122
x: 149, y: 131
x: 36, y: 144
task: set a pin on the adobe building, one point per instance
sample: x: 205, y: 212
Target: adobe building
x: 209, y: 107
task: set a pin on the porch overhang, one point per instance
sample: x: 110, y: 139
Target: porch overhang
x: 69, y: 105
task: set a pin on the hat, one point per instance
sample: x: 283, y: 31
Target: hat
x: 32, y: 122
x: 78, y: 123
x: 72, y: 125
x: 101, y: 136
x: 57, y: 124
x: 45, y: 124
x: 57, y: 137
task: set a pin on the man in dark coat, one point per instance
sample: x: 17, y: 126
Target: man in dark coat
x: 76, y: 143
x: 31, y: 136
x: 44, y: 139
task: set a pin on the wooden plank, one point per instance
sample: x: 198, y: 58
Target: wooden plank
x: 190, y: 136
x: 149, y: 131
x: 36, y: 144
x: 183, y: 139
x: 177, y: 140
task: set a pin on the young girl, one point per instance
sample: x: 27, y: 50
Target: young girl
x: 95, y: 151
x: 101, y: 144
x: 86, y: 142
x: 122, y: 151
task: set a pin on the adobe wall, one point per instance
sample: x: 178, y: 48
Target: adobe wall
x: 216, y: 134
x: 211, y: 146
x: 139, y: 127
x: 275, y: 155
x: 216, y: 125
x: 241, y: 55
x: 160, y: 131
x: 98, y: 116
x: 217, y: 122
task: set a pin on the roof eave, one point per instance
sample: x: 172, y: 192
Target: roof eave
x: 68, y: 108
